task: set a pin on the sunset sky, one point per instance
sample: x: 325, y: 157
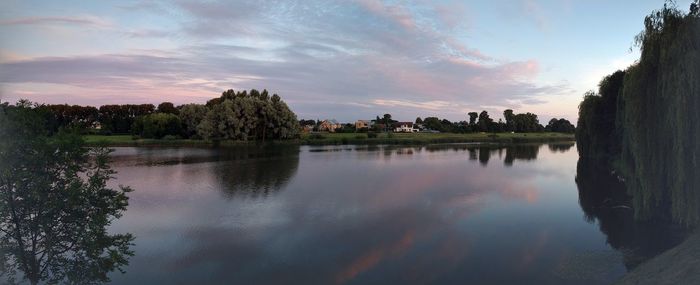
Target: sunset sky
x: 346, y: 60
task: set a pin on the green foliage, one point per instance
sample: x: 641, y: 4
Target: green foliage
x: 372, y: 135
x: 55, y: 206
x: 168, y: 108
x: 243, y: 116
x: 597, y: 131
x: 119, y: 119
x: 661, y: 99
x: 560, y: 126
x: 157, y: 125
x: 485, y: 123
x: 191, y: 115
x: 645, y: 120
x: 316, y: 136
x: 472, y: 118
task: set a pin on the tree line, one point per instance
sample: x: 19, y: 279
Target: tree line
x: 478, y: 122
x: 242, y: 115
x: 643, y: 121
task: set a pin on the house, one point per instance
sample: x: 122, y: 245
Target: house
x: 307, y: 128
x: 363, y: 124
x: 404, y: 127
x: 329, y: 126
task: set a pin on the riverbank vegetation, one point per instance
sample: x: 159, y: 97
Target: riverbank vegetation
x: 643, y: 122
x: 346, y: 138
x: 55, y: 204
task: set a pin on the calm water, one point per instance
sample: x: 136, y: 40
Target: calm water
x: 451, y: 214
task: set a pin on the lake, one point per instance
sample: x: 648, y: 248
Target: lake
x: 443, y: 214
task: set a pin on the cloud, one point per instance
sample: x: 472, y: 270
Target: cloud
x: 344, y: 60
x: 78, y: 20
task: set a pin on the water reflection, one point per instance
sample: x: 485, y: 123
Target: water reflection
x: 256, y: 171
x: 357, y: 215
x: 603, y: 200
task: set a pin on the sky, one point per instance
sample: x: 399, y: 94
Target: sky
x: 344, y: 60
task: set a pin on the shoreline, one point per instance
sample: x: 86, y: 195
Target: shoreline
x: 678, y: 265
x: 341, y: 139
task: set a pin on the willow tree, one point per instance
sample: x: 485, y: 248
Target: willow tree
x: 660, y: 104
x: 248, y: 116
x: 645, y: 119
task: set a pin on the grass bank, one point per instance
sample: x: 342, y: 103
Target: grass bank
x: 679, y: 265
x: 349, y: 138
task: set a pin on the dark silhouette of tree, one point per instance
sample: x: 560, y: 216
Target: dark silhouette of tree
x: 645, y: 123
x: 485, y: 122
x: 509, y: 116
x: 472, y: 118
x: 120, y: 118
x: 167, y: 108
x: 560, y: 126
x: 157, y: 125
x: 55, y: 206
x: 387, y: 121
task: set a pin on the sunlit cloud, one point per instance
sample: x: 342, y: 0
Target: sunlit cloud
x: 344, y: 60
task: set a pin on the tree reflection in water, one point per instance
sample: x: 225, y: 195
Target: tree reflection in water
x: 603, y: 199
x: 484, y: 152
x: 256, y: 171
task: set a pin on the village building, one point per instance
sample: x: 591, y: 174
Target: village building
x: 329, y: 126
x: 404, y: 127
x: 363, y: 124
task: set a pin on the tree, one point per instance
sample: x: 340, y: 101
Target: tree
x: 120, y: 118
x: 472, y: 118
x: 509, y: 116
x: 485, y: 122
x: 419, y: 121
x: 387, y: 121
x: 167, y: 108
x: 55, y: 206
x: 644, y: 121
x: 243, y: 116
x: 191, y: 115
x: 433, y: 123
x: 560, y: 126
x: 157, y: 125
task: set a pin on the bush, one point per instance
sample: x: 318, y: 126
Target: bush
x: 316, y: 136
x: 169, y: 137
x: 157, y: 125
x: 360, y: 137
x: 372, y: 135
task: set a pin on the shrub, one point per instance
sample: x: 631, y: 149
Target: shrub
x: 372, y: 135
x: 316, y: 136
x: 157, y: 125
